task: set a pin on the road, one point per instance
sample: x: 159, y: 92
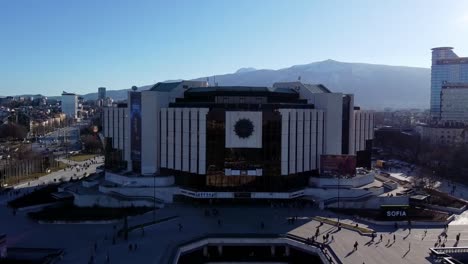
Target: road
x: 56, y: 176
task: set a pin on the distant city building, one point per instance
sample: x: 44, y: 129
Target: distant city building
x: 453, y: 134
x: 363, y: 130
x: 101, y: 93
x: 107, y: 102
x: 454, y: 103
x: 70, y: 104
x: 447, y: 68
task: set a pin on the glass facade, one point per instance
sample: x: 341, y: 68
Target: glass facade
x: 454, y: 103
x: 447, y: 67
x: 246, y: 160
x: 240, y: 168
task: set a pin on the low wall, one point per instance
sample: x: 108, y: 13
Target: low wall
x: 162, y: 193
x: 40, y: 206
x: 103, y: 200
x: 327, y: 193
x: 251, y: 241
x: 377, y: 190
x: 447, y: 209
x: 135, y: 181
x: 371, y: 203
x: 102, y: 222
x: 357, y: 181
x: 405, y: 223
x: 88, y: 184
x: 390, y: 185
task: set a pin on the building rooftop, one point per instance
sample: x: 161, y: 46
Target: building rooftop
x: 228, y: 89
x: 164, y: 87
x: 285, y: 90
x: 318, y: 88
x: 442, y: 48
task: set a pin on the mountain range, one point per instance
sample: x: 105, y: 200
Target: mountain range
x: 374, y: 86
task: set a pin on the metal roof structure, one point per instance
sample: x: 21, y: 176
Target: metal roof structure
x: 164, y: 87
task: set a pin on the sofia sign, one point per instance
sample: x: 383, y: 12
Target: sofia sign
x: 396, y: 213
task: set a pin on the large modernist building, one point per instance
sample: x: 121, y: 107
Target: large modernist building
x: 447, y: 68
x: 242, y: 138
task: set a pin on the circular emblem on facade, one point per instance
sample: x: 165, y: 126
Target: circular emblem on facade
x: 244, y: 128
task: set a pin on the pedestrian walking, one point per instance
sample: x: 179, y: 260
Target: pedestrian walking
x: 381, y: 238
x: 394, y: 237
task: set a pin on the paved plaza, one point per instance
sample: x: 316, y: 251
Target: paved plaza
x: 157, y: 241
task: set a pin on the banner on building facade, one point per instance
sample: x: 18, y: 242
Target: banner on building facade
x: 135, y: 125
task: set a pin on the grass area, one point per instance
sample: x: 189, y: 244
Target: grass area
x: 443, y: 199
x: 136, y: 227
x: 33, y: 176
x: 41, y: 196
x: 81, y: 157
x: 76, y: 214
x: 363, y: 230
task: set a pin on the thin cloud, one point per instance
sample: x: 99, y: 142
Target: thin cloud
x: 464, y: 19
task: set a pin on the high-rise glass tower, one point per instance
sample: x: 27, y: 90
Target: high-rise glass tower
x: 102, y: 93
x: 447, y: 67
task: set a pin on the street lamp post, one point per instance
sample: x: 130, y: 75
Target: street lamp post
x: 154, y: 198
x: 339, y: 181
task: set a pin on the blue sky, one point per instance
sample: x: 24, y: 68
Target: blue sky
x: 50, y: 46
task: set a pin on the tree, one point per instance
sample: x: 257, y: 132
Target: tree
x: 13, y: 131
x: 91, y: 143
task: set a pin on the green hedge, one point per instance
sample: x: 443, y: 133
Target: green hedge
x: 73, y: 213
x: 41, y: 196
